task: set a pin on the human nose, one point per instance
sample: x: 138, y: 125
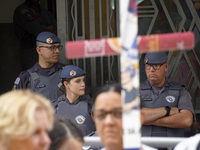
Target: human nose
x: 57, y: 50
x: 83, y: 83
x: 45, y: 140
x: 152, y: 68
x: 109, y: 119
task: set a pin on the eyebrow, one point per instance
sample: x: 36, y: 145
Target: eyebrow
x: 78, y: 80
x: 117, y: 108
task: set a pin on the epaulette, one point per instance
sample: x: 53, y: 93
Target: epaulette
x: 145, y: 86
x: 56, y: 101
x: 60, y: 65
x: 23, y: 73
x: 93, y: 133
x: 176, y: 86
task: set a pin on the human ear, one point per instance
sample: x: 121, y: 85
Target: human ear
x: 65, y: 84
x: 38, y: 50
x: 166, y: 66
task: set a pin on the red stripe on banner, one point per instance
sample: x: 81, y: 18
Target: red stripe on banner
x: 74, y: 49
x: 176, y: 41
x: 91, y: 48
x: 111, y: 46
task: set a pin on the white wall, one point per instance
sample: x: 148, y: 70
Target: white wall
x: 7, y: 8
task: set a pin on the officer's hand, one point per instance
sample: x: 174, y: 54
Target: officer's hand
x: 174, y: 110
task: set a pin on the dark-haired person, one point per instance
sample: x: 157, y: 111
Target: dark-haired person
x: 75, y: 104
x: 29, y: 19
x: 65, y: 135
x: 108, y: 117
x: 167, y: 105
x: 44, y: 76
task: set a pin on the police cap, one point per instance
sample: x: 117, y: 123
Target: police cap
x: 48, y: 38
x: 71, y: 71
x: 155, y: 58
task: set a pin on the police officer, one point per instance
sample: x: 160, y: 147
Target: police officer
x: 167, y: 105
x: 44, y: 76
x: 74, y: 104
x: 29, y: 20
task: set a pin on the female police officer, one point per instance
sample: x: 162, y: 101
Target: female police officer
x: 74, y: 104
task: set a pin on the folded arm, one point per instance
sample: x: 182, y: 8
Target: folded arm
x: 182, y: 119
x: 152, y: 114
x: 176, y: 119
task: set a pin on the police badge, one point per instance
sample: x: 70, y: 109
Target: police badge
x: 72, y: 73
x: 49, y: 41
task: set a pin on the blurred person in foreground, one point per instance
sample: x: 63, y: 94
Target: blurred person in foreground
x: 26, y: 118
x: 65, y: 135
x: 191, y: 143
x: 108, y: 117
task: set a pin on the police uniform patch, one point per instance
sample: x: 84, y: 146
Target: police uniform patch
x: 170, y: 99
x: 80, y: 119
x: 41, y: 86
x: 17, y: 81
x: 85, y: 147
x: 49, y: 41
x: 145, y: 60
x: 14, y: 87
x: 72, y: 73
x: 147, y: 99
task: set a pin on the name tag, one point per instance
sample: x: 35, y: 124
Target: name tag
x: 147, y: 99
x: 41, y: 86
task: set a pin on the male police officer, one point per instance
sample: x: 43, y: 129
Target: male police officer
x: 167, y: 105
x: 44, y: 76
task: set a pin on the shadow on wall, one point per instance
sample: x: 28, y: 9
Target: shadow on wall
x: 10, y: 59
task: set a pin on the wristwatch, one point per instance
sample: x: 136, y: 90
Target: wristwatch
x: 167, y: 108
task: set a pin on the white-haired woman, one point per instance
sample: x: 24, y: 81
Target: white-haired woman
x: 26, y: 118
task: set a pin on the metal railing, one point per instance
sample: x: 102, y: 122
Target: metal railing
x: 157, y: 142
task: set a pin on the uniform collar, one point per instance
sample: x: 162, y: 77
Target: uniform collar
x: 53, y: 69
x: 81, y: 98
x: 159, y: 90
x: 166, y: 84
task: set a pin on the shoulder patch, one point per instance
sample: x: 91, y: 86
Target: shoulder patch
x: 176, y: 86
x: 14, y: 87
x: 170, y: 99
x: 17, y: 80
x: 80, y: 119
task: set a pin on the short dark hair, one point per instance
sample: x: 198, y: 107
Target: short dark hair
x: 62, y: 87
x: 116, y: 87
x: 63, y: 129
